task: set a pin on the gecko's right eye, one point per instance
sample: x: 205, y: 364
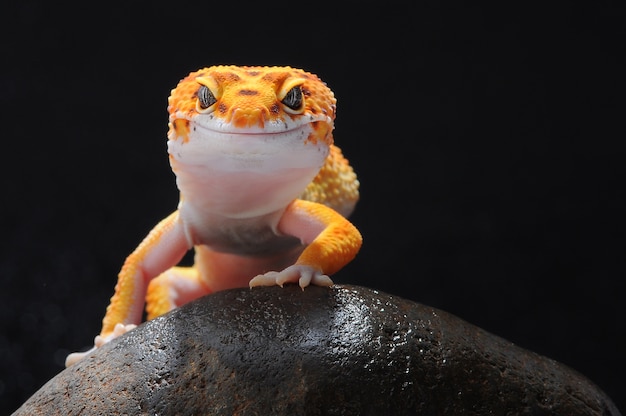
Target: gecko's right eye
x: 205, y: 98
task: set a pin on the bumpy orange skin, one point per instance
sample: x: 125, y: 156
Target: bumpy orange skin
x: 336, y: 184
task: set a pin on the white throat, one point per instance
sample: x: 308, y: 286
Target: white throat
x: 244, y: 175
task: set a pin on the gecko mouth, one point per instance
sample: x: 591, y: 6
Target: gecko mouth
x: 248, y: 150
x: 253, y: 125
x: 229, y: 133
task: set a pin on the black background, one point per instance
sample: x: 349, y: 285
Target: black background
x: 489, y: 143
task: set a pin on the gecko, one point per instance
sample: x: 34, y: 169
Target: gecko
x: 264, y: 195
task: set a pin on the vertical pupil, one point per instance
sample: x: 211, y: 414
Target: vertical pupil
x: 293, y: 99
x: 206, y: 97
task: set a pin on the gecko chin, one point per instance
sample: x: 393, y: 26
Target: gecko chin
x: 259, y: 171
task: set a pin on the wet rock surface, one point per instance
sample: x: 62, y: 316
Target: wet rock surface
x: 345, y: 350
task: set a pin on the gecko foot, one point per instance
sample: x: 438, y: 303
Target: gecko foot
x: 303, y: 275
x: 120, y: 329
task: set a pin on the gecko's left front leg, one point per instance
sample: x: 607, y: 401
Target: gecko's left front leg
x: 331, y: 243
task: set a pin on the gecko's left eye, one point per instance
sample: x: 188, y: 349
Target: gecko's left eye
x: 293, y: 99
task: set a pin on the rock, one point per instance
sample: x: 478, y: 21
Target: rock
x: 344, y: 350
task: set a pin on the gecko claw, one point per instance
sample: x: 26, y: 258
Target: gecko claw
x: 300, y: 274
x: 99, y: 340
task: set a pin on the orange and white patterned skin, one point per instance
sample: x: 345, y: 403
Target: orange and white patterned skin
x: 264, y: 194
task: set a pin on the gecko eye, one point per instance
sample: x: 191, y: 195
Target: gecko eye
x: 293, y: 99
x: 205, y: 97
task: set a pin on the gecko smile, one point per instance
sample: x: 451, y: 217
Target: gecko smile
x: 264, y: 150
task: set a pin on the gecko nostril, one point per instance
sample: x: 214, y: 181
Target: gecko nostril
x: 248, y: 92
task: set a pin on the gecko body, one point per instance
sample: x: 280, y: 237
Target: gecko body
x: 264, y: 194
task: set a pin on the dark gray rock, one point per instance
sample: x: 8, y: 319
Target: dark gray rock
x: 345, y: 350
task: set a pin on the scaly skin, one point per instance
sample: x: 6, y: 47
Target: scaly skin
x: 264, y: 194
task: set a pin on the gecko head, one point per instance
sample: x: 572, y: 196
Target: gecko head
x: 252, y: 111
x: 270, y: 124
x: 252, y: 100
